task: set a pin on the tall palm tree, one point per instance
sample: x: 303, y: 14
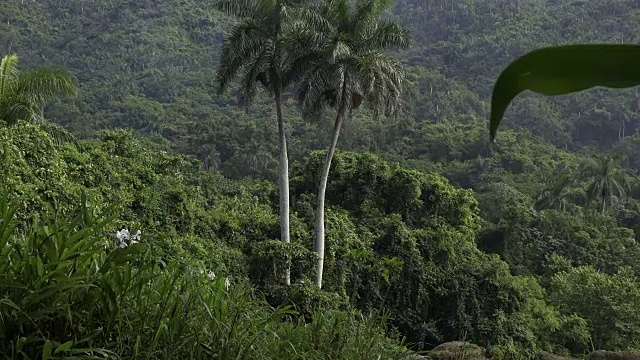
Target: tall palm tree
x: 24, y: 94
x: 607, y: 181
x: 265, y: 47
x: 351, y: 68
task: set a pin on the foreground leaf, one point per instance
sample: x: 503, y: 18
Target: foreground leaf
x: 560, y: 70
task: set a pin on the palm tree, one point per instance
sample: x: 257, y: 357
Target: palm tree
x: 265, y: 47
x: 558, y: 193
x: 351, y: 68
x: 607, y: 181
x: 24, y: 94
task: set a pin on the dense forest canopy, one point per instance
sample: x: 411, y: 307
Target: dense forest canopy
x: 524, y: 246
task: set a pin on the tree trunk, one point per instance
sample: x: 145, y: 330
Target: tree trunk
x: 318, y: 245
x: 604, y: 202
x: 283, y: 181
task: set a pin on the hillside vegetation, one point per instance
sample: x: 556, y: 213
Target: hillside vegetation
x: 433, y: 234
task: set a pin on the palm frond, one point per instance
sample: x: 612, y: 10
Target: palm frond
x: 367, y: 14
x: 294, y: 70
x: 365, y: 10
x: 386, y: 34
x: 381, y: 78
x: 310, y: 17
x: 317, y: 89
x: 340, y: 51
x: 256, y: 70
x: 23, y: 94
x: 43, y: 85
x: 59, y: 134
x: 335, y: 11
x: 244, y: 43
x: 238, y: 8
x: 8, y: 73
x: 558, y: 194
x: 14, y: 108
x: 607, y: 180
x: 269, y: 12
x: 302, y: 35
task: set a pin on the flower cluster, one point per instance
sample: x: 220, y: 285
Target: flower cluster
x: 227, y: 283
x: 125, y: 238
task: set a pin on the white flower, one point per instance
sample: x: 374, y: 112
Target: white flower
x: 227, y: 283
x: 124, y: 236
x: 211, y: 275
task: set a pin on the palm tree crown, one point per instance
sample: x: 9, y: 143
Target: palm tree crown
x: 351, y: 65
x: 607, y: 181
x: 265, y: 46
x: 559, y: 194
x: 23, y: 94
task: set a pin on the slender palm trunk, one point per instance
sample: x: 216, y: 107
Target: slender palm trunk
x: 604, y: 203
x: 318, y: 245
x: 283, y: 180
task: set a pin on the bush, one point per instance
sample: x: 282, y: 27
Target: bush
x: 69, y: 289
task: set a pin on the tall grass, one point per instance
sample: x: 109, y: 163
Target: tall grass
x: 67, y: 291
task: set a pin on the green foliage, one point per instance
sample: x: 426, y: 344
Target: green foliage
x: 269, y: 261
x: 49, y: 276
x: 608, y: 303
x: 265, y: 46
x: 33, y: 171
x: 67, y: 291
x: 398, y: 237
x: 585, y: 239
x: 414, y: 254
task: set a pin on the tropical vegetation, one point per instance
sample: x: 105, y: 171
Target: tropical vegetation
x: 158, y: 230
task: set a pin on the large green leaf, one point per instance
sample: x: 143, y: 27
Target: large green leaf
x: 565, y: 69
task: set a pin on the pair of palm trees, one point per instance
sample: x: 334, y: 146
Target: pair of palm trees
x: 606, y: 181
x: 332, y: 52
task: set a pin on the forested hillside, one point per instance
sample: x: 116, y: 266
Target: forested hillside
x: 524, y: 246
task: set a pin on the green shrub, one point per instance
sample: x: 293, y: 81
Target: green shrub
x: 69, y: 289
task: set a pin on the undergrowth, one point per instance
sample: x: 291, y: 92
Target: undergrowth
x: 68, y: 290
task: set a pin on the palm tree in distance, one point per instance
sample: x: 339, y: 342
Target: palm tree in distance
x: 24, y: 94
x: 607, y: 181
x: 558, y: 193
x: 266, y: 46
x: 351, y: 67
